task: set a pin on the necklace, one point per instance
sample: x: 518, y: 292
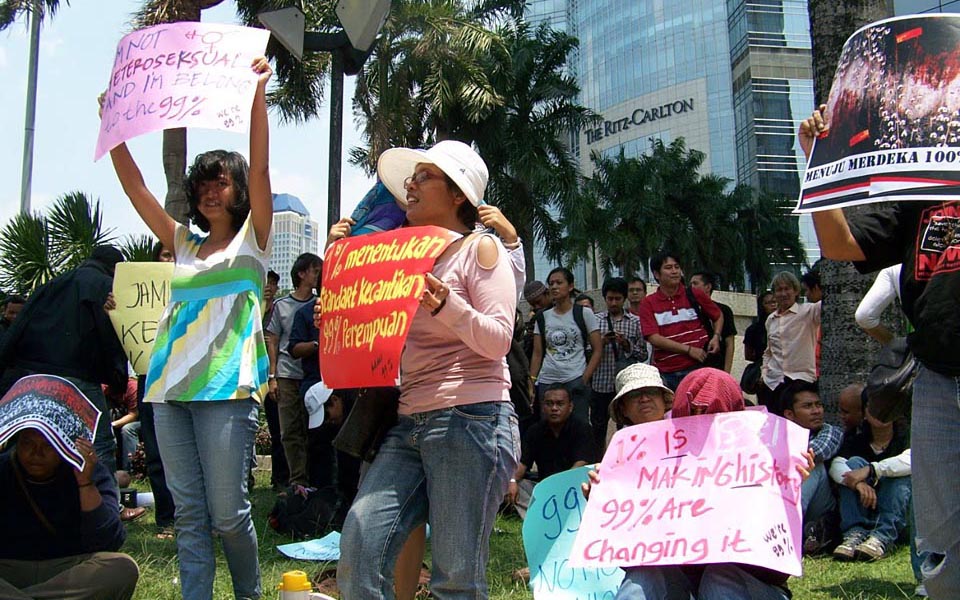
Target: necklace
x: 879, y: 448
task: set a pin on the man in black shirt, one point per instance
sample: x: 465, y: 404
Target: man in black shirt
x: 723, y: 359
x: 555, y: 443
x: 64, y: 330
x: 925, y: 237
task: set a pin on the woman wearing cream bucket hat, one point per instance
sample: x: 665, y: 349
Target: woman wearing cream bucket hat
x: 456, y: 444
x: 641, y: 396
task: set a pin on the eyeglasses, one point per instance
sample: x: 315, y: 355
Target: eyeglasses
x: 420, y: 178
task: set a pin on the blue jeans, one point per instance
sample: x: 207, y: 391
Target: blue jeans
x: 205, y: 447
x: 888, y: 519
x: 719, y: 582
x: 935, y: 458
x: 450, y: 467
x: 129, y: 438
x: 672, y: 380
x: 816, y: 497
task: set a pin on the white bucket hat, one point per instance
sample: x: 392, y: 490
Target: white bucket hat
x: 635, y: 377
x: 456, y: 159
x: 314, y: 399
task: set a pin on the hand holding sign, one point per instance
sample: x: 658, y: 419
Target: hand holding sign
x: 183, y: 74
x: 372, y: 285
x: 672, y: 492
x: 894, y: 118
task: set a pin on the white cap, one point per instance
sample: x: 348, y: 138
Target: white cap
x: 456, y: 159
x: 314, y: 399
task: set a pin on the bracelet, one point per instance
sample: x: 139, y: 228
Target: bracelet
x: 439, y: 308
x: 533, y: 378
x: 512, y: 245
x: 512, y: 480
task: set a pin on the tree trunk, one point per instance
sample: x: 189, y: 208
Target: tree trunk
x: 847, y: 353
x: 175, y: 140
x: 528, y: 243
x: 175, y: 169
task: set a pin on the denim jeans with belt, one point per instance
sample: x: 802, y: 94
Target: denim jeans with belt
x: 450, y: 467
x: 206, y: 448
x: 935, y: 461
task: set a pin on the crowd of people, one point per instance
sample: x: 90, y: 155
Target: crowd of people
x: 456, y: 451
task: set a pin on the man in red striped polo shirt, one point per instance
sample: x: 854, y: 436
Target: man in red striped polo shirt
x: 672, y: 324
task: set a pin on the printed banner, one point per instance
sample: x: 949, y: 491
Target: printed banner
x: 326, y: 548
x: 549, y: 530
x: 676, y: 491
x: 183, y: 74
x: 371, y: 289
x: 53, y: 406
x: 141, y: 291
x: 894, y: 117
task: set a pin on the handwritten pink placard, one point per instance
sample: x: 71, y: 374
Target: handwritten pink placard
x: 696, y: 490
x: 183, y: 74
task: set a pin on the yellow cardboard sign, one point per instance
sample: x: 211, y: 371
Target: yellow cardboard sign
x: 141, y: 291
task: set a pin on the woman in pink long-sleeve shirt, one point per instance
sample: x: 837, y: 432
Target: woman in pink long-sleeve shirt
x: 449, y: 459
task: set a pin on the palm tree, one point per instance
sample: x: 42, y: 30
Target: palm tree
x: 770, y: 236
x: 137, y: 248
x: 660, y: 200
x: 842, y: 358
x: 37, y: 248
x: 430, y: 75
x: 533, y: 175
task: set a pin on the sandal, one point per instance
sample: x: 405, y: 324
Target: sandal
x: 166, y: 533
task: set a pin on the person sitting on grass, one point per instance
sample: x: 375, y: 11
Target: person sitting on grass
x: 704, y: 391
x: 61, y: 528
x: 641, y: 396
x: 555, y: 443
x: 800, y: 402
x: 873, y: 470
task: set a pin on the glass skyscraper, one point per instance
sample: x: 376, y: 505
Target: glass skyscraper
x: 731, y: 77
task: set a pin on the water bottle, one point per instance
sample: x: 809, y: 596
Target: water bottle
x: 294, y: 586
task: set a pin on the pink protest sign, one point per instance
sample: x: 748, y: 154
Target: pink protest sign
x: 695, y: 490
x: 183, y: 74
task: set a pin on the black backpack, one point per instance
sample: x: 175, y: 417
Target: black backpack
x: 581, y: 324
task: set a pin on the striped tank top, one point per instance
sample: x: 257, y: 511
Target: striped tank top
x: 210, y: 343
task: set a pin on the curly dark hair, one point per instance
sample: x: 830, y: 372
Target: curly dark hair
x: 208, y: 167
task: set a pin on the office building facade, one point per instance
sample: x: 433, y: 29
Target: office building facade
x: 731, y: 77
x: 294, y: 233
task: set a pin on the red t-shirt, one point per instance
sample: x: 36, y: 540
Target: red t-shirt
x: 674, y: 318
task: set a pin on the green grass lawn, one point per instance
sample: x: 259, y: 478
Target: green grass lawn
x: 823, y: 578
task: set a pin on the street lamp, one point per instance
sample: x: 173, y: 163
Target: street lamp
x: 349, y: 49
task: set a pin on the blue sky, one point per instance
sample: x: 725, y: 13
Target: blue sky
x: 76, y: 56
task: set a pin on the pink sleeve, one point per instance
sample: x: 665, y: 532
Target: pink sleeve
x: 485, y: 324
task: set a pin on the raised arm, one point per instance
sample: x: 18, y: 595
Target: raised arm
x: 144, y: 202
x: 261, y: 199
x: 833, y: 233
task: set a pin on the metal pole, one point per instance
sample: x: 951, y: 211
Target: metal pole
x: 336, y: 137
x: 26, y: 173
